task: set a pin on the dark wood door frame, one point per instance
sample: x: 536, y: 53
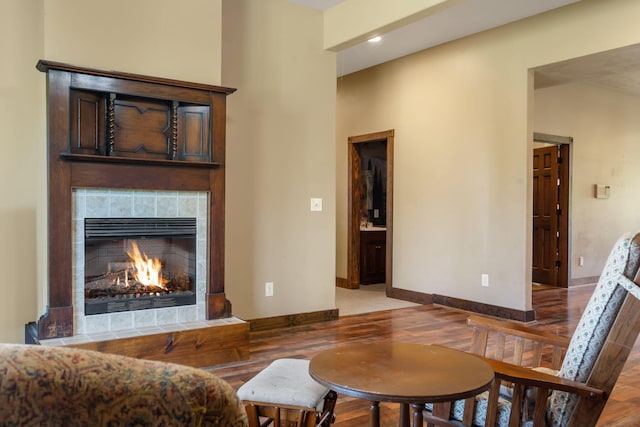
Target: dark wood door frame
x: 355, y: 192
x: 564, y: 144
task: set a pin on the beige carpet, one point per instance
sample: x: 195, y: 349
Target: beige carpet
x: 367, y: 299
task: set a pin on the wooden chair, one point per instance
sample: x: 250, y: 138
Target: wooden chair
x: 527, y: 390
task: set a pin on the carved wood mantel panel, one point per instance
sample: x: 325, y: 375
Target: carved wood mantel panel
x: 110, y: 129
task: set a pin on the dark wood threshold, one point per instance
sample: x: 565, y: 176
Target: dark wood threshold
x: 287, y: 320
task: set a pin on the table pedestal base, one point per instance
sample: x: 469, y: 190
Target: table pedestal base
x: 374, y: 414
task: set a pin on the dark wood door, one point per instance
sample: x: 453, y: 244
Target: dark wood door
x: 546, y: 210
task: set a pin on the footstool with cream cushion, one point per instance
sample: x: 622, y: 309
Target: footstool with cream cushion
x: 285, y: 394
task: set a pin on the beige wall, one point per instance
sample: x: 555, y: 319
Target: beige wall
x: 281, y: 129
x: 149, y: 37
x: 22, y: 165
x: 164, y: 38
x: 605, y: 150
x: 280, y: 153
x: 462, y: 180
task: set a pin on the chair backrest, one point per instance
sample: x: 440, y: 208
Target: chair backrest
x: 604, y: 336
x: 517, y: 344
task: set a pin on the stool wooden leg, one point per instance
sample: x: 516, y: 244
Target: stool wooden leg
x: 327, y: 416
x: 276, y: 417
x: 405, y: 415
x: 252, y: 415
x: 417, y: 414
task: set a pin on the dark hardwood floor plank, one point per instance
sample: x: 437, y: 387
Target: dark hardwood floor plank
x: 557, y: 311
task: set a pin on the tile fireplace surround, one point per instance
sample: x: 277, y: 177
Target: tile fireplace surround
x: 124, y: 145
x: 94, y: 203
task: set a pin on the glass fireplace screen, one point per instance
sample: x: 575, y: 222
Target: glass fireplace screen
x: 139, y: 263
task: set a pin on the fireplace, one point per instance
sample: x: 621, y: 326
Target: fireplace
x: 153, y: 147
x: 138, y: 263
x: 134, y: 153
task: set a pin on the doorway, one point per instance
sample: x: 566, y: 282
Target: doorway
x: 370, y: 206
x: 550, y: 239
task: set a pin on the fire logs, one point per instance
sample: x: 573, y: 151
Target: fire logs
x: 121, y: 282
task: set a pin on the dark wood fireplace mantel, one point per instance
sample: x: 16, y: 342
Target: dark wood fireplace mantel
x: 109, y: 129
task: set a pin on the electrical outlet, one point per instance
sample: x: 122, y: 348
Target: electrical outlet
x: 484, y: 280
x: 581, y: 261
x: 268, y: 289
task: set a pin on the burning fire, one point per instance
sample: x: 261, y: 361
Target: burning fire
x: 147, y: 271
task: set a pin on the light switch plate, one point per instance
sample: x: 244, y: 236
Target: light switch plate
x: 316, y: 204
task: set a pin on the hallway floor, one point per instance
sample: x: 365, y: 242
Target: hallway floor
x: 368, y: 298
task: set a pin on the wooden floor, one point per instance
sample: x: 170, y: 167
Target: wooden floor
x: 557, y: 310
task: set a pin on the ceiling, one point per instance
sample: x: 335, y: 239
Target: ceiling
x: 617, y: 69
x: 460, y: 19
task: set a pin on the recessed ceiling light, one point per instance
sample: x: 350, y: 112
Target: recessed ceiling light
x: 375, y: 39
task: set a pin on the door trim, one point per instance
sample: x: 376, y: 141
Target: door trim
x: 355, y: 192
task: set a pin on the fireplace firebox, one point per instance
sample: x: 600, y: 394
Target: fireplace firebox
x: 139, y: 263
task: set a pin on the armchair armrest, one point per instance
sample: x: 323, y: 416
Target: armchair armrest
x: 518, y: 329
x: 521, y: 378
x: 530, y: 377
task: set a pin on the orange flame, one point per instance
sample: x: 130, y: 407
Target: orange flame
x: 148, y: 272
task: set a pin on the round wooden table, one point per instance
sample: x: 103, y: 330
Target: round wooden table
x: 409, y: 374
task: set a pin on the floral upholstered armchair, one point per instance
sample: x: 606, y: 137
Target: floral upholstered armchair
x: 56, y: 386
